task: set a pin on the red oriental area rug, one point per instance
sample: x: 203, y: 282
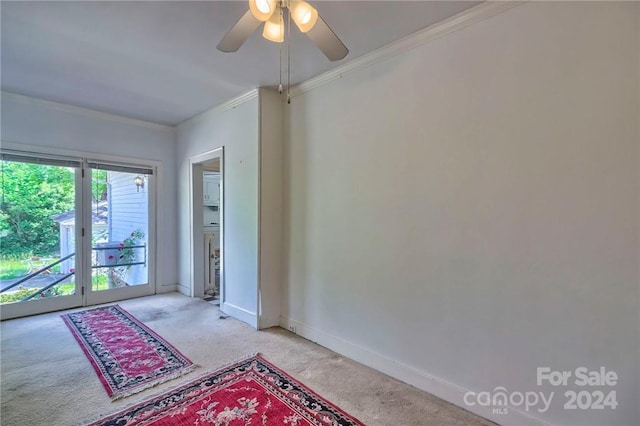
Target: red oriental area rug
x: 249, y: 392
x: 127, y: 355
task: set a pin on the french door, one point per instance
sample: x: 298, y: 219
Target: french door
x: 119, y: 226
x: 73, y: 232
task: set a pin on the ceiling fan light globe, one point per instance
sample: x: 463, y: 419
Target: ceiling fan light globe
x: 262, y: 9
x: 263, y: 6
x: 303, y: 14
x: 274, y: 28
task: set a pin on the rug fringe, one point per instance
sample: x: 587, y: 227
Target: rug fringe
x: 160, y: 381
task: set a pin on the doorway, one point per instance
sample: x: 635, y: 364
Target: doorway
x: 75, y: 232
x: 120, y: 247
x: 207, y: 226
x: 211, y: 226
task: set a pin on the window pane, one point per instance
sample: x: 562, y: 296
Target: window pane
x: 37, y: 231
x: 120, y: 226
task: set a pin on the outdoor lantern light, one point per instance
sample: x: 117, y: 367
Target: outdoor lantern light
x: 139, y: 181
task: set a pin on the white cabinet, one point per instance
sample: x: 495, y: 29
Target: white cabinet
x: 211, y: 189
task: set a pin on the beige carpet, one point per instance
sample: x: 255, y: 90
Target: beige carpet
x: 47, y: 380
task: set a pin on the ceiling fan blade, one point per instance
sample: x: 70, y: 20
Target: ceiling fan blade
x: 327, y: 41
x: 239, y: 33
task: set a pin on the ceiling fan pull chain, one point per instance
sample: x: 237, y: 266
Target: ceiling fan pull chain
x: 289, y: 56
x: 280, y: 90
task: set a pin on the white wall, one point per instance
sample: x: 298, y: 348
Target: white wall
x: 271, y: 207
x: 235, y: 129
x: 467, y: 211
x: 30, y: 122
x: 250, y: 130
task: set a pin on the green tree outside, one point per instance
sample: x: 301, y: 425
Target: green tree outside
x: 30, y: 195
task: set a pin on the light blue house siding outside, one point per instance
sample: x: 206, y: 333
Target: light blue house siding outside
x: 129, y: 211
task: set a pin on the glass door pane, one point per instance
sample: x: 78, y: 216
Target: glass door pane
x: 38, y: 236
x: 119, y: 233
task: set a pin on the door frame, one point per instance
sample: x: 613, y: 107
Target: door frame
x: 115, y: 294
x: 196, y: 231
x: 50, y: 304
x: 16, y: 310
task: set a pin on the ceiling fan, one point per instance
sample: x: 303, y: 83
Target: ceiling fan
x: 272, y: 13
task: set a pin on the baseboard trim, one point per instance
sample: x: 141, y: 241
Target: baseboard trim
x: 169, y: 288
x: 422, y: 380
x: 240, y: 314
x: 268, y: 323
x: 183, y: 289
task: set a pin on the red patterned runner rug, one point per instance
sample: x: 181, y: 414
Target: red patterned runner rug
x: 249, y: 392
x: 127, y: 355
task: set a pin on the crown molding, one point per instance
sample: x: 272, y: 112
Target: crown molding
x: 58, y: 106
x: 230, y: 104
x: 440, y: 29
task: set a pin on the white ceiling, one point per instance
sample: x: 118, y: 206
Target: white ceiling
x: 157, y: 60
